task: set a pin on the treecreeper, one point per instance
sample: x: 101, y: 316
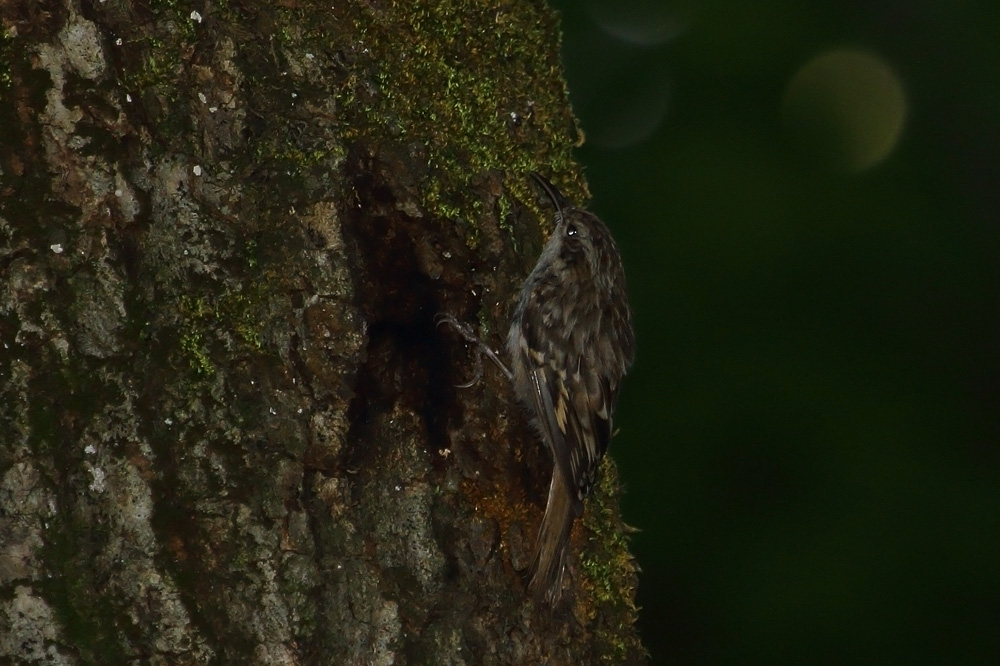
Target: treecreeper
x: 570, y: 343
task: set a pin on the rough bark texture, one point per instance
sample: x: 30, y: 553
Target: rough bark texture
x: 229, y: 433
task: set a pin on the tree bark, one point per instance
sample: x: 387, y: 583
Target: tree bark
x: 229, y: 427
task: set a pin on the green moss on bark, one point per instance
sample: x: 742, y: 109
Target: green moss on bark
x: 609, y: 573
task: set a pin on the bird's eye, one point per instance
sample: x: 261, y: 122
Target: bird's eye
x: 571, y: 230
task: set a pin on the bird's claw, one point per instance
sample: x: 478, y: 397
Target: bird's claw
x: 465, y: 331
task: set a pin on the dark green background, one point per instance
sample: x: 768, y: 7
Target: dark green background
x: 810, y: 433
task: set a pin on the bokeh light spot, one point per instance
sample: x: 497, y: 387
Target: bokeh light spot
x: 846, y: 108
x: 644, y: 23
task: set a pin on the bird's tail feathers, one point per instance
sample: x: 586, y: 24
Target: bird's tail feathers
x: 552, y: 543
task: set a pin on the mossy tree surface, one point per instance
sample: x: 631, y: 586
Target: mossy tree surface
x: 229, y: 432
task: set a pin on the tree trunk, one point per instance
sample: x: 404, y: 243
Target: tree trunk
x: 229, y: 428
